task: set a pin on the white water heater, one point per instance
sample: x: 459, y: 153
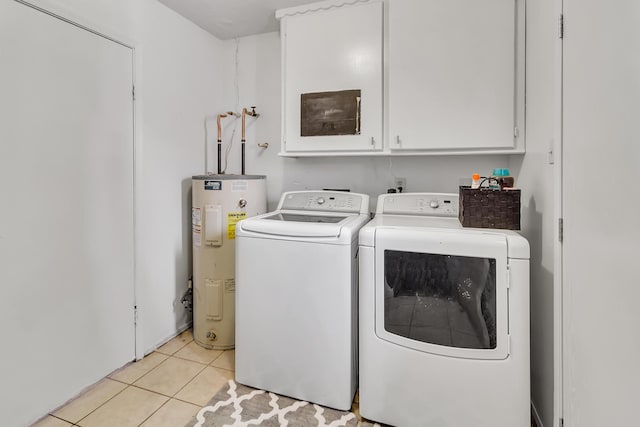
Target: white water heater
x: 219, y: 202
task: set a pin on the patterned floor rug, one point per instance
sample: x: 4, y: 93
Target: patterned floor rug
x: 238, y: 406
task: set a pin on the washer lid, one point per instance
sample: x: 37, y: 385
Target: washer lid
x: 295, y: 217
x: 299, y: 223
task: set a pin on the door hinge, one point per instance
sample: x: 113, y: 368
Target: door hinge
x: 561, y: 26
x: 560, y: 229
x: 561, y: 422
x: 516, y: 132
x: 133, y: 92
x: 135, y: 314
x: 508, y: 277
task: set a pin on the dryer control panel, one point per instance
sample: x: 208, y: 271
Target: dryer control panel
x: 325, y: 201
x: 427, y: 204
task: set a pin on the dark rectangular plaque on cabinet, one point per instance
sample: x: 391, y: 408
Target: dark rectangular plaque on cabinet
x: 330, y: 113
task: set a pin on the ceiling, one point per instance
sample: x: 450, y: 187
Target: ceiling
x: 227, y: 19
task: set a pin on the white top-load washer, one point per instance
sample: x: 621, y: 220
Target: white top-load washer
x: 444, y: 318
x: 296, y: 297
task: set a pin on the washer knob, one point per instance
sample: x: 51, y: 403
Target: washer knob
x: 242, y: 203
x: 320, y: 201
x: 434, y: 204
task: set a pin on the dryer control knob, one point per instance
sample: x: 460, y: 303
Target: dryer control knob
x: 434, y: 204
x: 242, y: 203
x: 320, y: 200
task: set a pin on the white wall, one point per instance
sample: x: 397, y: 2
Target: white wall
x: 374, y: 175
x: 179, y: 91
x: 536, y: 178
x: 177, y: 70
x: 254, y: 81
x: 186, y: 76
x: 259, y: 85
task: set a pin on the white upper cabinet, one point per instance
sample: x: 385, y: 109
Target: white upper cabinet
x: 453, y: 78
x: 456, y: 76
x: 332, y: 77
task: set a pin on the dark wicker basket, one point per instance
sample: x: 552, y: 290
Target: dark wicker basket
x: 488, y: 208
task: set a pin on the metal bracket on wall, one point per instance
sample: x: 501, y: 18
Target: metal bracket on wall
x: 561, y: 26
x: 560, y: 229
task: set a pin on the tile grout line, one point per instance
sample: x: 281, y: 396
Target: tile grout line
x: 127, y: 386
x: 100, y: 406
x: 191, y: 360
x: 224, y: 369
x: 161, y: 394
x: 220, y: 355
x: 154, y: 412
x: 61, y: 419
x: 173, y: 397
x: 189, y: 382
x: 183, y: 346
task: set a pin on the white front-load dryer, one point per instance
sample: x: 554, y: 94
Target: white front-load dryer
x: 444, y: 318
x: 296, y: 297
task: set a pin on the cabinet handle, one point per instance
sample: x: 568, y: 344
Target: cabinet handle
x: 398, y: 139
x: 373, y: 141
x: 357, y: 115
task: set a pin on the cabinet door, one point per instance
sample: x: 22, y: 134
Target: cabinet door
x: 456, y: 75
x: 328, y: 51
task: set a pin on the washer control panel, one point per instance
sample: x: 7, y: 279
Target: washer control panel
x: 428, y: 204
x: 326, y: 201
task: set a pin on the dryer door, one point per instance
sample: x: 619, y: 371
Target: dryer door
x: 443, y: 292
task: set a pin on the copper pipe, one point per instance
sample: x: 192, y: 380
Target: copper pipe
x: 246, y: 112
x: 220, y: 127
x: 220, y: 116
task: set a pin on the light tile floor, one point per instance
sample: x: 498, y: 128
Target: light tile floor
x: 164, y: 389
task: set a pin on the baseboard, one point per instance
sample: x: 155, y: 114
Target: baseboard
x: 536, y: 416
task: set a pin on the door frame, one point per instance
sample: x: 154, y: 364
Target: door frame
x: 55, y: 10
x: 557, y: 155
x: 558, y: 283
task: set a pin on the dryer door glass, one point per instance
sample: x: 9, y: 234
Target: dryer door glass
x: 446, y: 300
x: 443, y: 292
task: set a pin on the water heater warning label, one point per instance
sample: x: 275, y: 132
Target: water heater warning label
x: 196, y: 226
x: 232, y: 220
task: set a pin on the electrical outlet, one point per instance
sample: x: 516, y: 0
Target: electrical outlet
x: 401, y: 185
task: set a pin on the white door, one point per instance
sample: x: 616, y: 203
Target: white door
x: 66, y: 210
x: 601, y: 160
